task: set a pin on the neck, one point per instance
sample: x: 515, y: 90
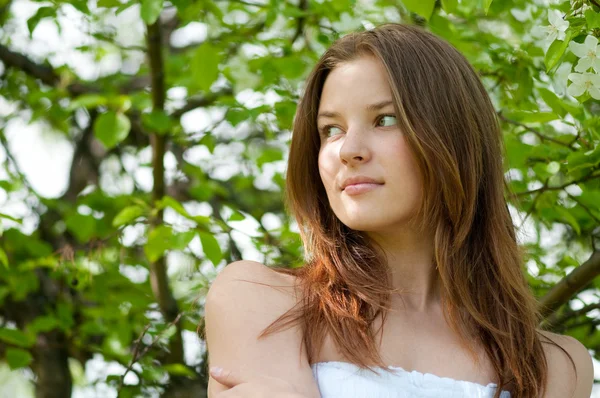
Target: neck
x: 414, y: 276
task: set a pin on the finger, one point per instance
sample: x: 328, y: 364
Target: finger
x: 226, y: 377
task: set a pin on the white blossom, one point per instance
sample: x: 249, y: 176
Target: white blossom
x: 522, y: 15
x: 556, y: 29
x: 587, y: 53
x: 560, y: 78
x: 583, y: 82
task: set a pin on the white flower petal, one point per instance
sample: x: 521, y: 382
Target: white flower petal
x: 554, y: 16
x: 539, y: 31
x: 561, y: 35
x: 594, y: 92
x: 552, y: 35
x: 594, y: 78
x: 596, y: 65
x: 578, y: 49
x: 562, y: 25
x: 575, y: 90
x: 559, y: 81
x: 577, y: 78
x: 583, y: 64
x: 591, y: 42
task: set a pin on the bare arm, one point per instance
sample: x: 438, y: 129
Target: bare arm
x: 236, y: 313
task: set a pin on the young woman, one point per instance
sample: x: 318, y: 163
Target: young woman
x: 413, y: 284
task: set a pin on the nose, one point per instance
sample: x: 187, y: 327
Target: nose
x: 354, y: 149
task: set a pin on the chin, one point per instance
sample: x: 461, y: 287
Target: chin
x: 362, y: 225
x: 375, y: 222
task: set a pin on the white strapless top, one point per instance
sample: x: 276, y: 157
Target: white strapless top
x: 346, y: 380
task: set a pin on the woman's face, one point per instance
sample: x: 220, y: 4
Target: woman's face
x: 360, y: 141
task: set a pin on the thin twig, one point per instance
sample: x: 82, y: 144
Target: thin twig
x: 136, y: 348
x: 590, y: 176
x: 534, y: 131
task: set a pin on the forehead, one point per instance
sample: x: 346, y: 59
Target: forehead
x: 360, y: 81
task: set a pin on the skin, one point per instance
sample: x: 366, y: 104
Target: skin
x: 358, y: 141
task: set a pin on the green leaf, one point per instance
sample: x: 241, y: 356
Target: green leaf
x: 422, y: 7
x: 111, y: 128
x: 64, y: 314
x: 486, y: 6
x: 168, y: 201
x: 108, y: 3
x: 87, y: 101
x: 82, y: 226
x: 552, y: 101
x: 44, y: 323
x: 17, y: 358
x: 158, y: 242
x: 181, y: 240
x: 532, y: 117
x: 15, y: 337
x: 205, y: 66
x: 569, y: 218
x: 556, y: 51
x: 269, y: 155
x: 236, y: 216
x: 127, y: 215
x: 449, y: 6
x: 11, y: 218
x: 579, y: 160
x: 179, y: 369
x: 42, y: 12
x: 3, y: 258
x: 209, y: 142
x: 592, y: 18
x: 162, y: 238
x: 151, y: 10
x: 157, y: 122
x: 211, y: 247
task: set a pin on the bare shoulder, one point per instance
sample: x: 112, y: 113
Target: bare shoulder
x: 252, y: 274
x: 244, y: 299
x: 562, y: 381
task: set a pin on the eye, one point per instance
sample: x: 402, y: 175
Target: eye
x: 389, y: 117
x: 325, y: 130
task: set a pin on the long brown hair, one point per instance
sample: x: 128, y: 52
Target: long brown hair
x: 451, y: 127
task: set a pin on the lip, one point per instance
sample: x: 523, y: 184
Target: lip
x: 357, y: 189
x: 359, y: 180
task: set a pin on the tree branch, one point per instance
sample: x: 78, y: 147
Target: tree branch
x: 158, y: 269
x: 534, y: 131
x: 588, y: 177
x: 47, y: 75
x: 556, y: 320
x: 303, y: 6
x: 570, y: 285
x: 203, y: 101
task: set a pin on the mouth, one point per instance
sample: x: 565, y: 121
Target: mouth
x: 363, y: 187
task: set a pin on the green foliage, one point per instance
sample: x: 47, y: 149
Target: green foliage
x: 150, y: 10
x: 111, y: 128
x: 18, y: 358
x: 83, y: 270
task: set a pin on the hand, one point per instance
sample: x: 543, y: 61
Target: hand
x: 240, y: 386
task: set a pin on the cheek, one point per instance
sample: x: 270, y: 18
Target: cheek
x: 400, y: 161
x: 326, y: 168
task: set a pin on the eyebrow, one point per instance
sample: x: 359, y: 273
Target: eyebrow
x: 373, y: 107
